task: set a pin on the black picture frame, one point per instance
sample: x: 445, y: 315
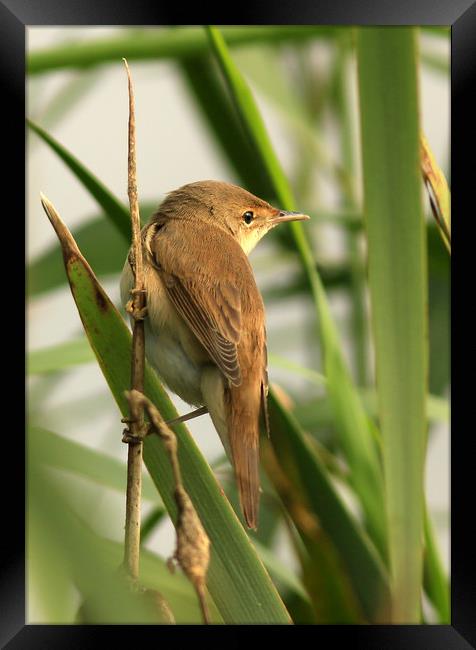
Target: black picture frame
x: 15, y: 16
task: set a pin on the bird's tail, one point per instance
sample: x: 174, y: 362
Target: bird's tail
x: 243, y: 434
x: 236, y: 418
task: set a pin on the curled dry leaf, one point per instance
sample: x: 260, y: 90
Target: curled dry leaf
x: 193, y: 545
x: 438, y: 191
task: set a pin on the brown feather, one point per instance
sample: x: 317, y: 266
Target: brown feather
x: 198, y: 243
x: 216, y: 295
x: 209, y: 304
x: 205, y: 317
x: 243, y: 432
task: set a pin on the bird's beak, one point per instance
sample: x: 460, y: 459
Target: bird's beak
x: 282, y: 216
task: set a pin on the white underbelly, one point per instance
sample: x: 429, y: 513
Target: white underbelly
x: 167, y: 356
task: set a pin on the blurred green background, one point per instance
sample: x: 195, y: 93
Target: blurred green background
x: 306, y: 85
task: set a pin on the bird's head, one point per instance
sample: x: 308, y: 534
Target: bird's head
x: 229, y: 207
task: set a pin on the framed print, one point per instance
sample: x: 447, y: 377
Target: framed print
x: 290, y: 462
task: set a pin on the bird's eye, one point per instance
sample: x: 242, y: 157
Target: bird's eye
x: 248, y: 217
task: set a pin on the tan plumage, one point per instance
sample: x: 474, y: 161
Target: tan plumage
x: 205, y: 330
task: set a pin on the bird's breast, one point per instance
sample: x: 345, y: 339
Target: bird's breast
x: 170, y: 346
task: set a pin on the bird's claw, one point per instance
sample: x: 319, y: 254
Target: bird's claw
x: 134, y: 438
x: 137, y: 314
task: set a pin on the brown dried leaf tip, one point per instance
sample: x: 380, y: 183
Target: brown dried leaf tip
x: 193, y: 545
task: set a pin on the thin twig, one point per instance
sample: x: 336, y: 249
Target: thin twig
x: 136, y: 308
x: 193, y: 545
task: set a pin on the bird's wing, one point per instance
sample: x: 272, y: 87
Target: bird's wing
x: 211, y: 308
x: 265, y: 389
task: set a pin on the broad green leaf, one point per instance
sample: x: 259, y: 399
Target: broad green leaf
x: 237, y: 580
x: 281, y: 574
x: 398, y: 287
x: 355, y: 435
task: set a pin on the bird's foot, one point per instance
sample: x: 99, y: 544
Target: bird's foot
x: 137, y: 314
x: 138, y: 435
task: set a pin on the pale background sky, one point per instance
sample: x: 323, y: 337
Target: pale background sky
x: 173, y: 148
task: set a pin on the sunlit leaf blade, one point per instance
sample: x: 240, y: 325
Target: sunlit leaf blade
x: 398, y: 288
x: 438, y: 191
x: 354, y: 433
x: 112, y: 207
x: 237, y: 581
